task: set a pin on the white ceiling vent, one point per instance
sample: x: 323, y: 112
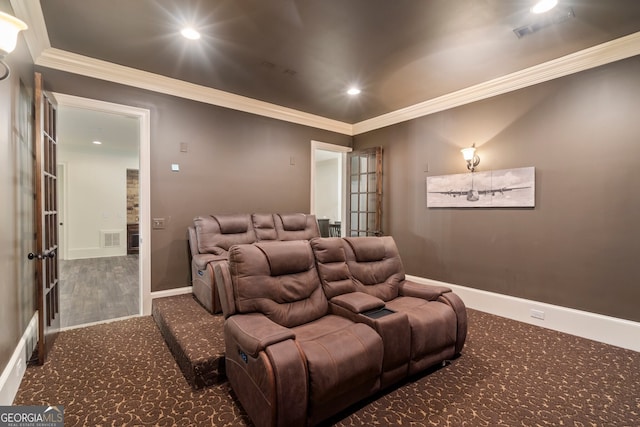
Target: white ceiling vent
x: 554, y: 16
x: 110, y: 238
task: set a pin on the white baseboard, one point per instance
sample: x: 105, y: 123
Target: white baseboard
x: 171, y: 292
x: 14, y: 371
x: 87, y: 253
x: 609, y: 330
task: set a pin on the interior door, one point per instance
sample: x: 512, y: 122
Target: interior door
x: 46, y: 220
x: 364, y: 204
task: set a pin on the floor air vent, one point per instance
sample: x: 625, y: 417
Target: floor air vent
x: 110, y: 239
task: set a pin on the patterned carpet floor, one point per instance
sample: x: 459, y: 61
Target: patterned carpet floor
x: 509, y: 374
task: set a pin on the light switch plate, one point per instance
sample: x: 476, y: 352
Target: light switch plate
x: 175, y: 167
x: 157, y: 223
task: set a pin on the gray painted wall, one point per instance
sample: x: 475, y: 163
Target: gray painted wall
x: 579, y: 247
x: 17, y: 293
x: 236, y: 162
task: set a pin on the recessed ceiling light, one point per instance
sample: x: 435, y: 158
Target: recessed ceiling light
x: 190, y: 33
x: 96, y: 142
x: 353, y: 91
x: 544, y: 6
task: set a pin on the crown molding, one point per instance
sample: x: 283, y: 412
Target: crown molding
x: 103, y: 70
x: 36, y: 35
x: 615, y: 50
x: 43, y: 54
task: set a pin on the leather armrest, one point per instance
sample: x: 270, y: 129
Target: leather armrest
x: 461, y: 314
x: 417, y: 290
x: 254, y: 332
x: 192, y: 237
x: 222, y: 282
x: 201, y: 260
x: 357, y: 302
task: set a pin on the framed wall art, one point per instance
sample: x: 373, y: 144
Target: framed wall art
x: 492, y: 189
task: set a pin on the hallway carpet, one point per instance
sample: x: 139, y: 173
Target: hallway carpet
x: 509, y: 374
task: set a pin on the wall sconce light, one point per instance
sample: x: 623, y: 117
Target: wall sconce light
x: 471, y: 157
x: 10, y: 26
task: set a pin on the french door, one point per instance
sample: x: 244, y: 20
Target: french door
x: 46, y: 219
x: 364, y: 204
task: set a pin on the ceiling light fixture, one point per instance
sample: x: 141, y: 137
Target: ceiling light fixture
x: 353, y: 91
x: 10, y: 26
x: 544, y: 20
x: 471, y: 157
x: 96, y: 142
x: 544, y: 6
x: 190, y: 33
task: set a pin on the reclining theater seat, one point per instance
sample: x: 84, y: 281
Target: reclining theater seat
x: 264, y: 226
x: 296, y: 226
x: 210, y: 240
x: 346, y: 301
x: 211, y: 237
x: 436, y: 317
x: 289, y: 361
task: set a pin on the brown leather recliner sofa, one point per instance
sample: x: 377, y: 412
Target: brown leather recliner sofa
x: 364, y: 280
x: 313, y: 327
x: 211, y: 236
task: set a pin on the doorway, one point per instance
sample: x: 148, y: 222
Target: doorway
x: 101, y: 144
x: 328, y: 197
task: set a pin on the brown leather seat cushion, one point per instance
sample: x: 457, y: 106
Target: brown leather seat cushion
x: 340, y: 355
x: 433, y: 324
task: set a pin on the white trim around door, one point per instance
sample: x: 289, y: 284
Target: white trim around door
x: 144, y: 120
x: 318, y: 145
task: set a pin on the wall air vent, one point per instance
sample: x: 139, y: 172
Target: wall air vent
x: 554, y: 16
x: 110, y: 238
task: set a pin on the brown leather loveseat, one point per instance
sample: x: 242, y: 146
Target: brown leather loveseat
x: 311, y: 327
x: 211, y: 236
x: 364, y: 280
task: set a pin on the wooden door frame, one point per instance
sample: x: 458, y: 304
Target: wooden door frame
x: 144, y: 120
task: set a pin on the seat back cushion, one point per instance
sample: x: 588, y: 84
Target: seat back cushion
x: 279, y: 280
x: 332, y: 267
x: 264, y: 226
x: 296, y: 226
x: 217, y: 233
x: 375, y: 264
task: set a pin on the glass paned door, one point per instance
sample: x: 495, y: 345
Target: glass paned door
x: 46, y: 219
x: 364, y: 169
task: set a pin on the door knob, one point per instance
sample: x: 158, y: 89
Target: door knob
x: 50, y: 254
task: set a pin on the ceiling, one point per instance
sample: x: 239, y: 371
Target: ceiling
x: 78, y: 128
x: 304, y: 54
